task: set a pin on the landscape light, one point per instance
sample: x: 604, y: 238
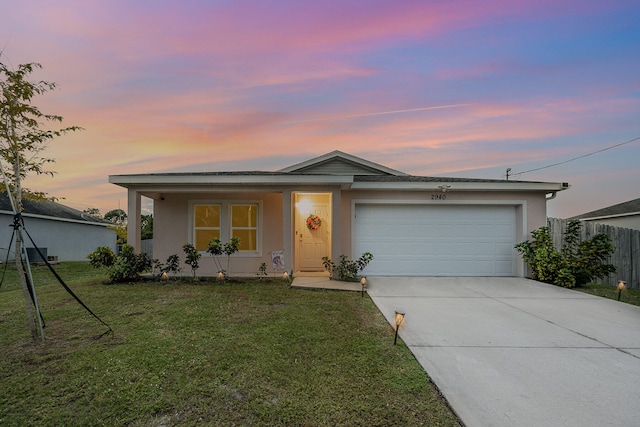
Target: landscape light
x: 164, y: 276
x: 220, y: 276
x: 285, y: 276
x: 398, y: 319
x: 622, y: 285
x: 363, y: 283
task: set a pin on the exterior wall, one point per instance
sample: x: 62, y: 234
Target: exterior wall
x: 69, y: 241
x: 631, y: 221
x: 173, y: 228
x: 172, y: 223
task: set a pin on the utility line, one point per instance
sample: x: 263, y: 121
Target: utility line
x: 576, y: 158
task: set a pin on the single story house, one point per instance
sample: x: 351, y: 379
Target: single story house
x: 413, y: 225
x: 626, y: 215
x: 60, y: 232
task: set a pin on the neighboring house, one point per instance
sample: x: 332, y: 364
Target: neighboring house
x: 625, y: 215
x: 413, y: 225
x: 59, y: 231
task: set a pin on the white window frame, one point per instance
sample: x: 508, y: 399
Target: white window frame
x: 194, y: 228
x: 231, y: 227
x: 225, y: 222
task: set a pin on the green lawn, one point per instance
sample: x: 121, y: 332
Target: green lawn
x: 254, y: 353
x: 630, y: 296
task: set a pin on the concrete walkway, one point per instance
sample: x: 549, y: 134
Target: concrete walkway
x: 323, y: 282
x: 515, y: 352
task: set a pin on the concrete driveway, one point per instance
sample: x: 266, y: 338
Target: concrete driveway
x: 515, y: 352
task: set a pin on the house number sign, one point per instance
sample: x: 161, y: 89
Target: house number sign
x: 438, y: 196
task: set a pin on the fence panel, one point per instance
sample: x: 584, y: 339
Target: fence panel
x: 146, y: 247
x: 626, y: 256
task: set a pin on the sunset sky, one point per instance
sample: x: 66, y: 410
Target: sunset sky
x: 438, y: 88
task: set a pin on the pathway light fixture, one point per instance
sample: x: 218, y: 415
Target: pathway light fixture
x: 363, y: 283
x: 399, y: 318
x: 622, y: 285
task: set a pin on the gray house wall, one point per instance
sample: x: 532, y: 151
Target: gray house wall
x: 68, y: 240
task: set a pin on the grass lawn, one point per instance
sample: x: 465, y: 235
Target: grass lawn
x: 630, y: 296
x: 256, y: 353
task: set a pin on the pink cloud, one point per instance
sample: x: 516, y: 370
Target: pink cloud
x: 160, y: 87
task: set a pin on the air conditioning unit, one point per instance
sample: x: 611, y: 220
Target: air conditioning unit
x: 34, y: 256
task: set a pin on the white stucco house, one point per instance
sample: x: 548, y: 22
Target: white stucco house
x: 626, y: 215
x: 413, y: 225
x: 62, y: 233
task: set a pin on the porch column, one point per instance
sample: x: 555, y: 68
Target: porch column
x: 134, y: 210
x: 336, y: 224
x: 287, y: 230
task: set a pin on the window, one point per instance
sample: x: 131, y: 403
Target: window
x: 244, y: 224
x: 206, y: 220
x: 224, y: 219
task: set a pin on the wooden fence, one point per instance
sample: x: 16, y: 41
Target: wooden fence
x: 146, y: 246
x: 626, y: 256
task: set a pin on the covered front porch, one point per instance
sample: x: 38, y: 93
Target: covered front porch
x: 281, y: 224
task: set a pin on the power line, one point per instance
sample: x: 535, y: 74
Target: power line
x: 576, y: 158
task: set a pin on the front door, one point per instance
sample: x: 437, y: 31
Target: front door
x: 312, y: 244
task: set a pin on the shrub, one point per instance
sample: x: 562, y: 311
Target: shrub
x: 262, y: 270
x: 217, y: 249
x: 124, y: 267
x: 576, y: 264
x: 347, y: 270
x: 192, y: 257
x: 172, y: 265
x: 590, y: 262
x: 102, y: 257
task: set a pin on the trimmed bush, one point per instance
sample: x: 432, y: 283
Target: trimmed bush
x: 578, y: 263
x: 347, y: 270
x: 126, y: 266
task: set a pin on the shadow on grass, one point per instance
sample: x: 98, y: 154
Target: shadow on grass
x: 252, y: 352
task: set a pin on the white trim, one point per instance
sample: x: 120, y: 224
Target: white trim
x: 258, y: 228
x: 458, y: 186
x: 435, y: 202
x: 258, y: 180
x: 52, y: 218
x: 622, y: 215
x: 192, y: 217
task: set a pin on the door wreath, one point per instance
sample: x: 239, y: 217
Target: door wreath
x: 313, y: 222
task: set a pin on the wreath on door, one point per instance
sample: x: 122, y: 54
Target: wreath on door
x: 313, y: 222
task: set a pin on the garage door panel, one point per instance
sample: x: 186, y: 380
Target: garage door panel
x: 454, y: 240
x: 505, y: 249
x: 477, y: 248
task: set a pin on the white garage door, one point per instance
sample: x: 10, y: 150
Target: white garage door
x: 442, y: 240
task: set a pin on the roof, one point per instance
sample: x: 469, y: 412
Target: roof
x: 341, y: 163
x: 50, y: 210
x: 632, y: 207
x: 334, y: 168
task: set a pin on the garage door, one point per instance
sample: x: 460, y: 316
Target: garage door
x: 443, y: 240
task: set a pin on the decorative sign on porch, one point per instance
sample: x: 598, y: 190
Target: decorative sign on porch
x: 277, y: 260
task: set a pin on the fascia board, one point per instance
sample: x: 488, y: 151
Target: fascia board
x: 136, y: 180
x: 55, y: 218
x: 620, y: 215
x: 460, y: 186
